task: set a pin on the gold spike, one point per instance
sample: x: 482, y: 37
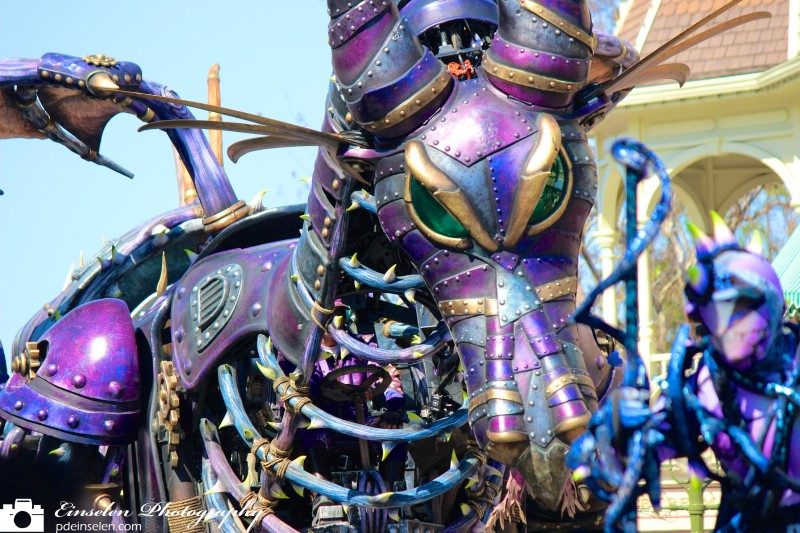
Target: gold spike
x: 357, y: 284
x: 275, y: 425
x: 418, y: 355
x: 297, y: 488
x: 277, y: 492
x: 722, y: 233
x: 387, y: 449
x: 414, y: 418
x: 100, y: 83
x: 338, y: 321
x: 305, y: 180
x: 411, y: 295
x: 217, y: 488
x: 756, y: 244
x: 317, y: 423
x: 354, y: 261
x: 384, y: 497
x: 453, y: 461
x: 465, y: 509
x: 353, y: 206
x: 394, y: 514
x: 268, y: 372
x: 390, y: 276
x: 294, y: 277
x: 162, y: 280
x: 416, y: 339
x: 305, y: 216
x: 298, y: 463
x: 227, y: 421
x: 80, y: 260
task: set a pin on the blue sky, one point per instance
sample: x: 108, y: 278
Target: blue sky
x: 274, y: 61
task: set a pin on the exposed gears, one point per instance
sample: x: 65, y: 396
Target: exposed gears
x: 28, y: 361
x: 169, y: 409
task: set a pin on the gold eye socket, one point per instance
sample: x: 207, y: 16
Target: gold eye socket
x: 433, y: 214
x: 554, y: 198
x: 438, y: 206
x: 432, y: 218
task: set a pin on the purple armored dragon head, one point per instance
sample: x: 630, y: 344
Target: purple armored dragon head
x: 485, y: 184
x: 735, y: 293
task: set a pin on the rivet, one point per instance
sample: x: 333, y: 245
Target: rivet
x: 18, y: 405
x: 317, y: 284
x: 320, y: 270
x: 115, y: 389
x: 41, y: 414
x: 109, y: 425
x: 335, y: 185
x: 73, y: 421
x: 256, y: 309
x: 52, y: 368
x: 78, y: 381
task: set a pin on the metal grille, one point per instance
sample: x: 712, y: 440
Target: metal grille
x: 210, y: 299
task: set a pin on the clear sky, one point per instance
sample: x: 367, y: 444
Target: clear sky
x: 274, y: 61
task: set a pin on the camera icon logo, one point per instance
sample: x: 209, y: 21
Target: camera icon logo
x: 22, y: 516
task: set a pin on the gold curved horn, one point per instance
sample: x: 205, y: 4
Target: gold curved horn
x: 534, y: 177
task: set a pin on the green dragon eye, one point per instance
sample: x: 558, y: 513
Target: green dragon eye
x: 433, y: 214
x: 555, y: 190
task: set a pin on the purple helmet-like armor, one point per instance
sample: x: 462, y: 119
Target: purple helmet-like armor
x: 87, y: 387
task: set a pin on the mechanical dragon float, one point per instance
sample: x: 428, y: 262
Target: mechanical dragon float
x: 437, y: 263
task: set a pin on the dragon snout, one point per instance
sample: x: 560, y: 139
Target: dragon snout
x: 528, y: 391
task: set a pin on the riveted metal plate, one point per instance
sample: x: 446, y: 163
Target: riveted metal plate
x: 546, y: 345
x: 212, y: 302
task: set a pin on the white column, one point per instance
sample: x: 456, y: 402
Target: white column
x: 607, y: 239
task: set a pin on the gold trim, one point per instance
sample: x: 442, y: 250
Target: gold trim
x: 567, y: 379
x: 571, y: 424
x: 493, y: 394
x: 557, y: 288
x: 226, y: 217
x: 534, y: 178
x: 414, y: 103
x: 469, y: 306
x: 529, y: 79
x: 147, y: 116
x: 448, y: 193
x: 556, y: 20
